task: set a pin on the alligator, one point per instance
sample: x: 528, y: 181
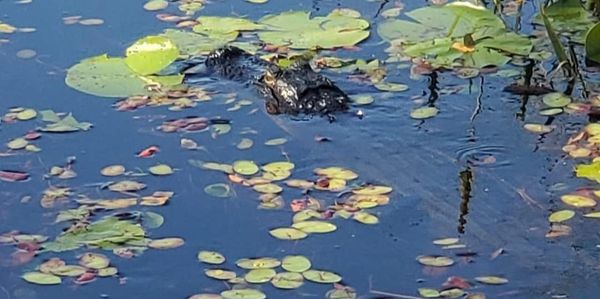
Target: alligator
x: 295, y: 90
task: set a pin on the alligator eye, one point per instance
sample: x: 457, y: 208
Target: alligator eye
x: 268, y: 78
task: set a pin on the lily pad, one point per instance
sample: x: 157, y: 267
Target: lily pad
x: 365, y: 218
x: 259, y: 275
x: 297, y: 30
x: 68, y: 270
x: 435, y: 261
x: 218, y: 190
x: 113, y: 170
x: 258, y: 263
x: 578, y: 201
x: 211, y: 257
x: 320, y: 276
x: 312, y: 227
x: 267, y: 188
x: 424, y: 112
x: 243, y: 294
x: 337, y: 173
x: 220, y: 274
x: 245, y: 167
x: 389, y: 86
x: 161, y: 170
x: 561, y: 216
x: 287, y: 280
x: 493, y: 280
x: 166, y: 243
x: 592, y: 43
x: 556, y: 100
x: 94, y: 260
x: 41, y: 278
x: 288, y: 233
x: 295, y: 263
x: 151, y: 54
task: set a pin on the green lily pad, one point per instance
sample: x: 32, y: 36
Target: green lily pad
x: 27, y: 114
x: 161, y: 170
x: 435, y: 261
x: 320, y: 276
x: 311, y: 227
x: 288, y: 233
x: 245, y: 167
x: 556, y: 100
x: 17, y: 144
x: 68, y: 270
x: 297, y: 30
x: 106, y: 272
x: 592, y: 43
x: 220, y: 274
x: 493, y: 280
x: 259, y: 275
x: 561, y: 216
x: 213, y: 26
x: 258, y: 263
x: 428, y: 293
x: 41, y: 278
x: 152, y: 219
x: 295, y: 263
x: 166, y: 243
x: 389, y: 86
x: 339, y: 292
x: 151, y: 54
x: 211, y: 257
x: 365, y: 218
x: 276, y: 141
x: 287, y: 280
x: 190, y: 43
x: 424, y: 112
x: 94, y: 260
x: 243, y: 294
x: 589, y: 171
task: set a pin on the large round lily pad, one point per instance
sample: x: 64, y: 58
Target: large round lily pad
x: 151, y: 54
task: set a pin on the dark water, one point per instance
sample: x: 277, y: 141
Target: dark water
x: 422, y: 161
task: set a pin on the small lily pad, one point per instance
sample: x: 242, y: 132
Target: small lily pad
x: 365, y: 218
x: 389, y: 86
x: 41, y: 278
x: 258, y: 263
x: 295, y: 263
x: 288, y: 280
x: 243, y: 294
x: 106, y: 272
x: 267, y: 188
x: 312, y: 227
x: 320, y: 276
x: 26, y: 114
x: 113, y: 170
x: 94, y: 260
x: 276, y: 141
x: 166, y: 243
x: 288, y: 233
x: 424, y: 112
x: 161, y: 170
x: 435, y: 261
x: 561, y: 216
x: 494, y: 280
x: 556, y: 100
x: 259, y: 275
x: 211, y: 257
x: 17, y: 144
x: 245, y: 167
x: 220, y: 274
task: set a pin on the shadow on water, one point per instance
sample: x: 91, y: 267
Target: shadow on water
x: 470, y: 172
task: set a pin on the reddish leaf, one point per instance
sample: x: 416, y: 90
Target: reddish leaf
x: 456, y: 282
x: 149, y: 152
x: 13, y: 176
x: 86, y: 277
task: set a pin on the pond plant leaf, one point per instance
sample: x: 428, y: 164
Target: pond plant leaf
x: 428, y: 293
x: 320, y: 276
x: 276, y: 141
x: 337, y: 173
x: 592, y: 43
x: 152, y: 220
x: 166, y: 243
x: 365, y: 218
x: 65, y: 124
x: 211, y: 257
x: 295, y: 263
x: 243, y: 294
x: 69, y: 270
x: 435, y: 261
x: 267, y: 188
x: 258, y: 263
x: 113, y: 170
x: 13, y: 176
x: 493, y: 280
x: 245, y: 167
x: 288, y: 233
x: 297, y: 30
x: 556, y: 100
x: 287, y: 280
x: 578, y: 201
x: 259, y: 275
x: 311, y: 227
x: 561, y: 216
x: 94, y: 260
x: 150, y: 54
x: 424, y: 112
x: 341, y: 292
x: 106, y: 272
x: 220, y: 274
x: 161, y: 170
x: 41, y: 278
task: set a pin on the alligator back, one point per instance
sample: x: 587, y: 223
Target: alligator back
x: 236, y: 64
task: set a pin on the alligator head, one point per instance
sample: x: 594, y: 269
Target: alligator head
x: 300, y: 90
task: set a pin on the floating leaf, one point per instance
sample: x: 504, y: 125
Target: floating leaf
x: 320, y: 276
x: 578, y: 201
x: 592, y: 43
x: 267, y: 188
x: 220, y: 274
x: 126, y: 186
x: 389, y: 86
x: 303, y: 184
x: 153, y: 5
x: 372, y: 190
x: 113, y: 170
x: 337, y: 173
x: 295, y: 263
x: 360, y: 100
x: 288, y: 280
x: 560, y: 216
x: 106, y: 272
x: 218, y: 190
x: 161, y: 170
x: 259, y: 275
x: 452, y: 293
x: 245, y: 167
x: 365, y: 218
x: 428, y: 293
x: 166, y: 243
x: 17, y: 144
x: 288, y: 233
x: 311, y: 227
x: 276, y: 141
x: 94, y: 260
x: 243, y: 294
x: 494, y: 280
x: 556, y: 100
x: 151, y: 54
x: 538, y: 128
x: 297, y: 30
x: 27, y: 114
x: 226, y: 168
x: 41, y: 278
x: 245, y: 143
x: 446, y: 241
x: 258, y: 263
x: 435, y: 261
x: 424, y: 112
x: 68, y: 270
x: 592, y: 215
x: 212, y: 26
x: 211, y: 257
